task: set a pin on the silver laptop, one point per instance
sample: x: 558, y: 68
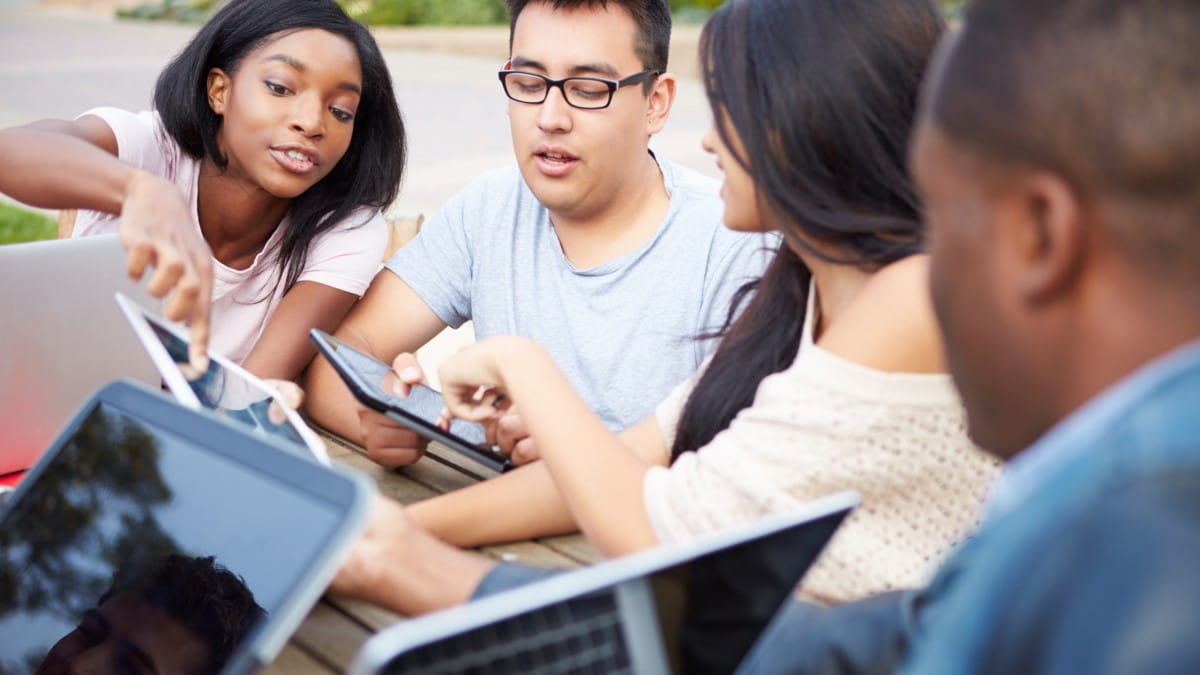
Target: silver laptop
x: 154, y: 538
x: 696, y: 608
x: 61, y: 337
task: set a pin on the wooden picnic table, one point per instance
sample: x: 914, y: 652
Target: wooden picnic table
x: 336, y: 628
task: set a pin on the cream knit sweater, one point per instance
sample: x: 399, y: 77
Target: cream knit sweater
x: 827, y: 424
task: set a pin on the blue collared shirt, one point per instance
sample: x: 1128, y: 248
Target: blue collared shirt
x: 1081, y: 429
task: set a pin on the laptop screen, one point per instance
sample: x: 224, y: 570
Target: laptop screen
x: 53, y: 294
x: 710, y: 611
x: 698, y: 615
x: 161, y: 551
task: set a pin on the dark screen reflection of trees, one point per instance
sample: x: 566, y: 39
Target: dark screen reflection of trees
x: 92, y: 510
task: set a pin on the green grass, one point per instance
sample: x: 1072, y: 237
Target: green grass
x: 17, y: 225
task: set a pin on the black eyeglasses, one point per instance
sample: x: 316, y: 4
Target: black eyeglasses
x: 588, y: 93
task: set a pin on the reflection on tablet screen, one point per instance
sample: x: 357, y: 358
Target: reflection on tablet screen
x: 422, y: 401
x: 118, y: 516
x: 226, y: 393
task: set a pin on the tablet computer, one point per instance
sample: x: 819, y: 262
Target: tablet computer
x: 370, y: 380
x: 225, y: 387
x: 154, y: 538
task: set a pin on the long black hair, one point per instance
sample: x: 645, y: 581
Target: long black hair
x: 822, y: 96
x: 368, y: 174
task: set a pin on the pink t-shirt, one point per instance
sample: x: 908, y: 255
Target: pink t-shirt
x: 345, y: 257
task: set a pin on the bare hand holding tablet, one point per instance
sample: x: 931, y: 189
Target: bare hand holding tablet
x: 371, y: 381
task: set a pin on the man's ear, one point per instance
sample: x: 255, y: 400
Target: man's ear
x: 1051, y: 241
x: 659, y: 102
x: 218, y: 90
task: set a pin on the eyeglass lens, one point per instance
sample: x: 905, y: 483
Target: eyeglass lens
x: 580, y: 92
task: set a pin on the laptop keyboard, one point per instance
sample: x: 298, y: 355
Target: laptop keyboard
x: 579, y: 636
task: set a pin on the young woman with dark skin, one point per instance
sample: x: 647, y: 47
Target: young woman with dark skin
x: 274, y: 143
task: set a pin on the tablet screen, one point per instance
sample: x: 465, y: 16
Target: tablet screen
x: 138, y: 538
x: 422, y: 401
x: 226, y: 392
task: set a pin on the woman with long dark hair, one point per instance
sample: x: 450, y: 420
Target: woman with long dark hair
x: 275, y: 138
x: 831, y: 378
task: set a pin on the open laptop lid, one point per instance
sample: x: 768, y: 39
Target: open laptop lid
x: 695, y: 608
x: 62, y: 337
x: 107, y: 542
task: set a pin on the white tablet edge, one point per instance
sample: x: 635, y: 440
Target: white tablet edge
x: 140, y: 319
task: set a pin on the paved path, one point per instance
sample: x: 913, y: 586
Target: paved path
x: 58, y: 61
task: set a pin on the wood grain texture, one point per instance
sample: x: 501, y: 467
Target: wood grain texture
x: 336, y: 628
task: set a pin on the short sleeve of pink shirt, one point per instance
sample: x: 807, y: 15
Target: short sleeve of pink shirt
x: 345, y: 257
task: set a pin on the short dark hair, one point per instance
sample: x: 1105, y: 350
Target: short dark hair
x: 823, y: 96
x: 1104, y: 93
x: 208, y: 599
x: 652, y: 17
x: 368, y: 174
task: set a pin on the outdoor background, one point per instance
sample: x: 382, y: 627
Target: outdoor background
x: 59, y: 58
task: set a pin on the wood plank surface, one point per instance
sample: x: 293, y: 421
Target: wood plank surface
x: 293, y: 660
x: 336, y: 628
x: 331, y: 636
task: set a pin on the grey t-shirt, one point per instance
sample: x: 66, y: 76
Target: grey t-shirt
x: 622, y: 331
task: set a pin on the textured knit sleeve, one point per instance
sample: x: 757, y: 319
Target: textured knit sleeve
x: 825, y: 425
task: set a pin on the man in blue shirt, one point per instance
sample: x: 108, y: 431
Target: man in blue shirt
x: 1058, y: 154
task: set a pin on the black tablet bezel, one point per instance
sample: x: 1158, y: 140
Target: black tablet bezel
x: 363, y: 392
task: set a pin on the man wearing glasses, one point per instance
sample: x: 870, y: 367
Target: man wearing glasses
x: 608, y: 255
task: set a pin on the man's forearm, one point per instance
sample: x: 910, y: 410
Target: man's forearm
x: 328, y: 400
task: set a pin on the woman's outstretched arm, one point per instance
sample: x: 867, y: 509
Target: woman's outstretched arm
x: 60, y: 164
x: 521, y: 504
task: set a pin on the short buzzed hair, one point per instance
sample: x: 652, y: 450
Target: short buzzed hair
x: 652, y: 17
x: 1104, y: 93
x: 212, y: 602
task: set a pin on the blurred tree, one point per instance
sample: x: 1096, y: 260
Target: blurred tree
x: 477, y: 12
x: 61, y: 557
x: 426, y: 12
x: 423, y: 12
x: 953, y: 9
x: 677, y: 5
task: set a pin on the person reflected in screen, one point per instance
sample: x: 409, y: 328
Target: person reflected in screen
x: 175, y: 614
